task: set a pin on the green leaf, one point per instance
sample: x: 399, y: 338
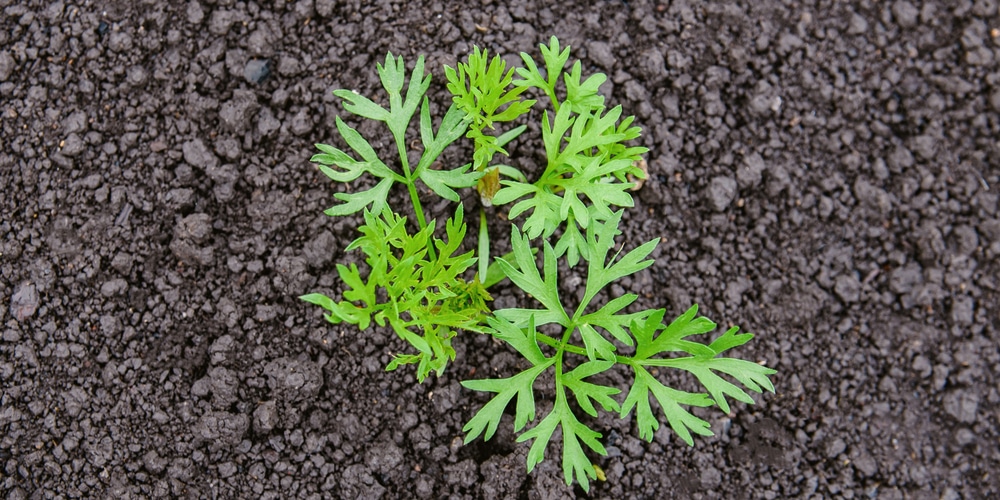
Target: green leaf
x: 672, y: 337
x: 397, y: 117
x: 631, y: 263
x: 751, y: 375
x: 483, y: 248
x: 600, y: 238
x: 589, y: 130
x: 586, y: 392
x: 573, y: 245
x: 531, y: 77
x: 541, y: 434
x: 320, y: 300
x: 555, y: 61
x: 522, y: 340
x: 400, y: 327
x: 583, y: 96
x: 352, y: 169
x: 607, y: 317
x: 481, y: 88
x: 574, y: 171
x: 511, y: 191
x: 510, y: 135
x: 552, y: 135
x: 346, y: 311
x: 359, y: 290
x: 681, y: 421
x: 704, y: 362
x: 517, y: 327
x: 402, y: 359
x: 332, y: 156
x: 338, y: 312
x: 488, y: 417
x: 362, y: 106
x: 525, y: 275
x: 353, y: 202
x: 522, y: 317
x: 359, y: 144
x: 392, y: 73
x: 594, y: 178
x: 423, y: 298
x: 544, y: 218
x: 576, y: 465
x: 645, y: 330
x: 393, y: 76
x: 730, y: 340
x: 595, y: 343
x: 442, y: 181
x: 451, y: 128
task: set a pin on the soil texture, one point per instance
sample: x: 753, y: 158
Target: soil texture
x: 822, y: 173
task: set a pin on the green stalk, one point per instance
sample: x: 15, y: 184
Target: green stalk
x: 551, y: 92
x: 421, y: 221
x: 410, y: 183
x: 411, y: 186
x: 484, y: 246
x: 549, y: 341
x: 561, y: 348
x: 579, y: 351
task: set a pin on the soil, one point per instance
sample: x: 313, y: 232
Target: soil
x: 824, y: 174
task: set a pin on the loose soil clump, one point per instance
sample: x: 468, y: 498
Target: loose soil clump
x: 824, y: 175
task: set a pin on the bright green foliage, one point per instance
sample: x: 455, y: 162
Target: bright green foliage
x: 581, y: 96
x: 417, y: 283
x: 593, y: 337
x: 424, y: 299
x: 588, y: 159
x: 703, y: 363
x: 480, y: 89
x: 342, y: 167
x: 517, y: 327
x: 555, y: 61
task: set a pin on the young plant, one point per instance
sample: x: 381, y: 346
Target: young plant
x: 425, y: 296
x: 341, y: 167
x: 417, y: 283
x: 589, y: 332
x: 585, y: 144
x: 482, y: 90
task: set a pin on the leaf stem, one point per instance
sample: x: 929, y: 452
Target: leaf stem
x: 484, y: 246
x: 551, y: 342
x: 570, y: 348
x: 421, y: 221
x: 561, y: 348
x: 411, y: 186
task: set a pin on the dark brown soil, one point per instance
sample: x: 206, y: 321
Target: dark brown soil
x: 824, y: 174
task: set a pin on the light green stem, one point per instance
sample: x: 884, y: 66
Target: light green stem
x: 561, y: 348
x: 484, y: 246
x: 411, y: 186
x: 570, y: 348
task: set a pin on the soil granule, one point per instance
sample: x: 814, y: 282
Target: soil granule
x: 824, y: 174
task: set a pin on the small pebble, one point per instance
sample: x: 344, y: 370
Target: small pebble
x: 257, y: 70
